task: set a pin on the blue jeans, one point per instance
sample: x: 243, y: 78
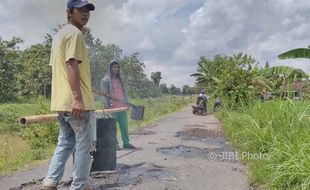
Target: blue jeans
x: 77, y: 134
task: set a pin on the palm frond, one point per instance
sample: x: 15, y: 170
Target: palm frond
x: 203, y: 68
x: 197, y: 75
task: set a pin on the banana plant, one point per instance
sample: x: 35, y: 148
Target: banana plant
x: 203, y: 75
x: 296, y: 53
x: 283, y: 74
x: 289, y: 72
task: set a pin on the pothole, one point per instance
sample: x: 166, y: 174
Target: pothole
x: 35, y: 184
x: 127, y: 175
x: 217, y: 154
x: 184, y: 151
x: 222, y: 152
x: 195, y: 125
x: 123, y: 176
x: 208, y: 136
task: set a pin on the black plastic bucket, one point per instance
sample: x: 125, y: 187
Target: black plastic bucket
x: 105, y: 155
x: 137, y: 112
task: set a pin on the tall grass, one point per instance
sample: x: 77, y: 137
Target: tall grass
x: 279, y: 129
x: 14, y: 151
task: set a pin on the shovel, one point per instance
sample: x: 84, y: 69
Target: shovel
x: 137, y: 111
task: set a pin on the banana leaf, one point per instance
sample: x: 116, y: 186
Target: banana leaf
x: 296, y: 53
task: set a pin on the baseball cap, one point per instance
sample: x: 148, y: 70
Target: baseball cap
x: 79, y: 4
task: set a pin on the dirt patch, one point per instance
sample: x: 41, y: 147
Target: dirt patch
x: 142, y: 132
x: 211, y: 123
x: 151, y: 125
x: 198, y: 133
x: 195, y: 125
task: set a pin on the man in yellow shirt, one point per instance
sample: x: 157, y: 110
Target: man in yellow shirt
x: 72, y: 99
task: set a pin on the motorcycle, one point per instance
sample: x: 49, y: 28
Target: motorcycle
x: 200, y: 108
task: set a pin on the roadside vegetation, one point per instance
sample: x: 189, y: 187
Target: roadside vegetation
x: 265, y: 115
x: 278, y: 134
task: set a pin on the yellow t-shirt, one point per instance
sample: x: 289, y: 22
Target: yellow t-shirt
x: 69, y: 43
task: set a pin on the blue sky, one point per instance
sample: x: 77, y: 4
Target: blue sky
x: 171, y: 35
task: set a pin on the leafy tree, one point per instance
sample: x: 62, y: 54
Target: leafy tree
x: 164, y: 89
x: 27, y: 72
x: 156, y: 77
x: 208, y: 72
x: 187, y: 90
x: 135, y: 79
x: 174, y: 90
x: 9, y: 67
x: 100, y: 58
x: 145, y: 89
x: 88, y: 37
x: 132, y: 68
x: 232, y: 78
x: 237, y: 80
x: 35, y: 76
x: 261, y: 82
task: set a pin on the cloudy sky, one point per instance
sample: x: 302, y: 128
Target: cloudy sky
x: 171, y: 35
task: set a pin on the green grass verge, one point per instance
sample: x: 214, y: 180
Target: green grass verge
x: 281, y: 131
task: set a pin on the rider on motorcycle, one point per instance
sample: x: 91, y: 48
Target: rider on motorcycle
x: 202, y: 99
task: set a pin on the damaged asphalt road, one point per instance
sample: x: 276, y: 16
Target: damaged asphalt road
x: 180, y: 152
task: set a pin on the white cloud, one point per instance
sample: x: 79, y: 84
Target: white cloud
x: 263, y: 29
x: 146, y: 45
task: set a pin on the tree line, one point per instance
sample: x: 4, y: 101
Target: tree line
x: 25, y: 73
